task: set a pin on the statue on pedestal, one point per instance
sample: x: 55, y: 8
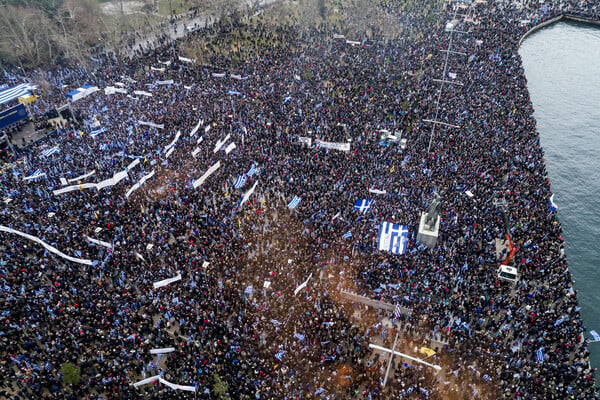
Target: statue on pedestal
x: 433, y: 211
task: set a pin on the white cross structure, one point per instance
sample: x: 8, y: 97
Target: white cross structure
x: 397, y: 353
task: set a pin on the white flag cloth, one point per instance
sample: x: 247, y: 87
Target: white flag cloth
x: 139, y: 184
x: 151, y: 124
x: 171, y: 150
x: 302, y: 285
x: 176, y: 386
x: 63, y: 181
x: 46, y: 245
x: 469, y: 193
x: 230, y: 148
x: 220, y: 143
x: 595, y: 335
x: 196, y: 151
x: 163, y: 350
x: 67, y: 189
x: 35, y: 176
x: 165, y: 282
x: 248, y: 194
x: 99, y: 242
x: 196, y: 128
x: 377, y: 191
x: 185, y: 59
x: 147, y: 381
x: 133, y: 164
x: 142, y: 93
x: 81, y: 177
x: 177, y: 135
x: 209, y: 172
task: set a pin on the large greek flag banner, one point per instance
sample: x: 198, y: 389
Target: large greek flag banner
x: 392, y: 238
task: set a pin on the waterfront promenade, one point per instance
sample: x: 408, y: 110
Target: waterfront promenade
x: 262, y: 249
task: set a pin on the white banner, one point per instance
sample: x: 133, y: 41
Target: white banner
x: 147, y: 381
x: 165, y: 282
x: 196, y: 128
x: 176, y: 386
x: 99, y: 242
x: 167, y: 82
x: 171, y: 150
x: 174, y: 141
x: 142, y: 93
x: 305, y: 140
x: 151, y: 124
x: 302, y: 285
x: 201, y: 180
x: 230, y: 148
x: 220, y: 143
x: 157, y: 69
x: 167, y: 63
x: 163, y: 350
x: 333, y: 146
x: 216, y: 75
x: 185, y: 59
x: 139, y: 184
x: 132, y: 164
x: 46, y: 245
x: 27, y: 178
x: 248, y: 194
x: 81, y: 177
x: 377, y: 191
x: 239, y: 77
x: 71, y: 188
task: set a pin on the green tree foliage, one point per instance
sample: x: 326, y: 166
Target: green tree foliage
x: 70, y: 374
x: 220, y: 388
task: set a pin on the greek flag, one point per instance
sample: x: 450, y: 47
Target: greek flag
x: 252, y: 171
x: 49, y: 152
x: 392, y: 238
x: 595, y: 335
x: 287, y: 99
x: 97, y: 132
x: 559, y: 321
x: 552, y: 205
x: 240, y: 182
x: 397, y: 311
x: 539, y: 355
x: 103, y: 147
x: 347, y: 235
x: 363, y: 205
x: 294, y: 203
x: 279, y: 355
x: 299, y: 336
x: 249, y: 290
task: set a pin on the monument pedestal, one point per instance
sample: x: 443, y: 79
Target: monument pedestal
x: 426, y: 236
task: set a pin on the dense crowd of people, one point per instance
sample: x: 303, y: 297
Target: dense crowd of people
x: 234, y: 318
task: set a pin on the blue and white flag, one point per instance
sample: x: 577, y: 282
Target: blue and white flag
x: 363, y: 205
x: 392, y: 238
x: 103, y: 147
x: 397, y: 311
x: 287, y: 99
x: 49, y: 152
x: 97, y: 132
x: 279, y: 355
x: 595, y: 335
x: 294, y: 203
x: 249, y: 290
x: 240, y: 182
x: 539, y: 355
x: 252, y: 171
x: 559, y: 321
x: 299, y: 336
x: 347, y: 235
x: 552, y: 205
